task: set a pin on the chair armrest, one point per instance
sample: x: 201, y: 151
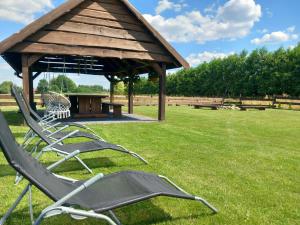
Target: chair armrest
x: 66, y: 158
x: 85, y: 185
x: 52, y: 126
x: 56, y: 142
x: 59, y: 130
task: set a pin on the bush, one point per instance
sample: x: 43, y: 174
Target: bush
x: 5, y: 87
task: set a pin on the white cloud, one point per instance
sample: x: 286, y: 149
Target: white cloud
x: 164, y: 5
x: 276, y: 37
x: 241, y: 11
x: 23, y: 11
x: 196, y: 59
x: 269, y: 13
x: 291, y: 29
x: 211, y: 8
x: 263, y: 31
x: 234, y: 19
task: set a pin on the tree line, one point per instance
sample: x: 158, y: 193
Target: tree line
x: 64, y: 84
x: 257, y: 74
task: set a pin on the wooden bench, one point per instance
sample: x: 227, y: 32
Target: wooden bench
x: 211, y: 106
x: 258, y: 107
x: 117, y: 108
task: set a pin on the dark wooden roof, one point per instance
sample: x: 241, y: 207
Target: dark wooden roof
x: 90, y: 34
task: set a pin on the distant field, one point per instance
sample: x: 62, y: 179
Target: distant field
x: 245, y: 163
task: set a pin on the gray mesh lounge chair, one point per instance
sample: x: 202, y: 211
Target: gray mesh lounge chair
x: 49, y: 123
x: 67, y: 149
x: 83, y: 199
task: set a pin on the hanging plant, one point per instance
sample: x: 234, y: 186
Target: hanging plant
x: 153, y: 77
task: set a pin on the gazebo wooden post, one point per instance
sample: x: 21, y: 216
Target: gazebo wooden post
x: 130, y: 95
x: 31, y: 91
x: 26, y: 77
x: 161, y: 71
x: 27, y: 62
x: 112, y: 89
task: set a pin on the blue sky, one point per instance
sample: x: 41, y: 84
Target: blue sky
x: 199, y: 29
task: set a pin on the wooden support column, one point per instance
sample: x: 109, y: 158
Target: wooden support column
x: 130, y: 96
x: 31, y: 91
x: 161, y: 71
x: 26, y: 77
x: 112, y: 89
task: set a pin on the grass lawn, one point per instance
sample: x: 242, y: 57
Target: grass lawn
x: 247, y: 164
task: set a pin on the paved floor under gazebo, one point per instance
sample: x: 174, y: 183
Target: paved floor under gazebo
x: 126, y: 118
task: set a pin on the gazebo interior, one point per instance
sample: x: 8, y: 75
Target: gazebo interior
x: 103, y: 38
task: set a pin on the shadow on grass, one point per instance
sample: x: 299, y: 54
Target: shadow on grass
x: 13, y: 118
x: 145, y: 213
x: 68, y: 166
x: 6, y: 170
x: 74, y: 165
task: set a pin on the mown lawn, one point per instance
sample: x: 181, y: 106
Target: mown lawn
x: 245, y: 163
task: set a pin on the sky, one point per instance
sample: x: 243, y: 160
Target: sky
x: 200, y: 30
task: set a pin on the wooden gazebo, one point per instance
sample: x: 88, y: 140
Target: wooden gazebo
x: 97, y: 37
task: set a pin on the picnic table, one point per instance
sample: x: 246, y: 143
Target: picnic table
x: 86, y: 105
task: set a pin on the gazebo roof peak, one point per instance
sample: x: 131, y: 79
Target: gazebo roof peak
x: 105, y: 29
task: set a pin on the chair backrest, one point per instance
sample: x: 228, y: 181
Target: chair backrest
x: 32, y: 112
x: 29, y: 167
x: 34, y: 125
x: 59, y: 99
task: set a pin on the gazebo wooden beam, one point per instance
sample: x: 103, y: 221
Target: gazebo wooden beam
x: 36, y: 75
x: 161, y: 71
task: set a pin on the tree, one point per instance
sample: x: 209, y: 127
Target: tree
x: 90, y: 89
x: 144, y: 86
x: 5, y: 87
x: 43, y: 86
x: 62, y: 84
x: 119, y: 88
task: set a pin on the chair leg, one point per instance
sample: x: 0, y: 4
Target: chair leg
x: 138, y: 157
x: 207, y: 204
x: 114, y: 217
x: 83, y: 164
x: 196, y: 198
x: 135, y: 155
x: 30, y: 205
x: 70, y: 211
x: 12, y: 208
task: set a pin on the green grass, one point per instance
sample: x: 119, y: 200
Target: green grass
x: 245, y: 163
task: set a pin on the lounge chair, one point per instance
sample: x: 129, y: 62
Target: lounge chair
x: 56, y: 145
x: 83, y: 199
x: 50, y: 122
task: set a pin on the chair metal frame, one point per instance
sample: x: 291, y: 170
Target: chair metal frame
x: 57, y: 208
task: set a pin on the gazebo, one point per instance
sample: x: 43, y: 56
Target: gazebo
x: 96, y: 37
